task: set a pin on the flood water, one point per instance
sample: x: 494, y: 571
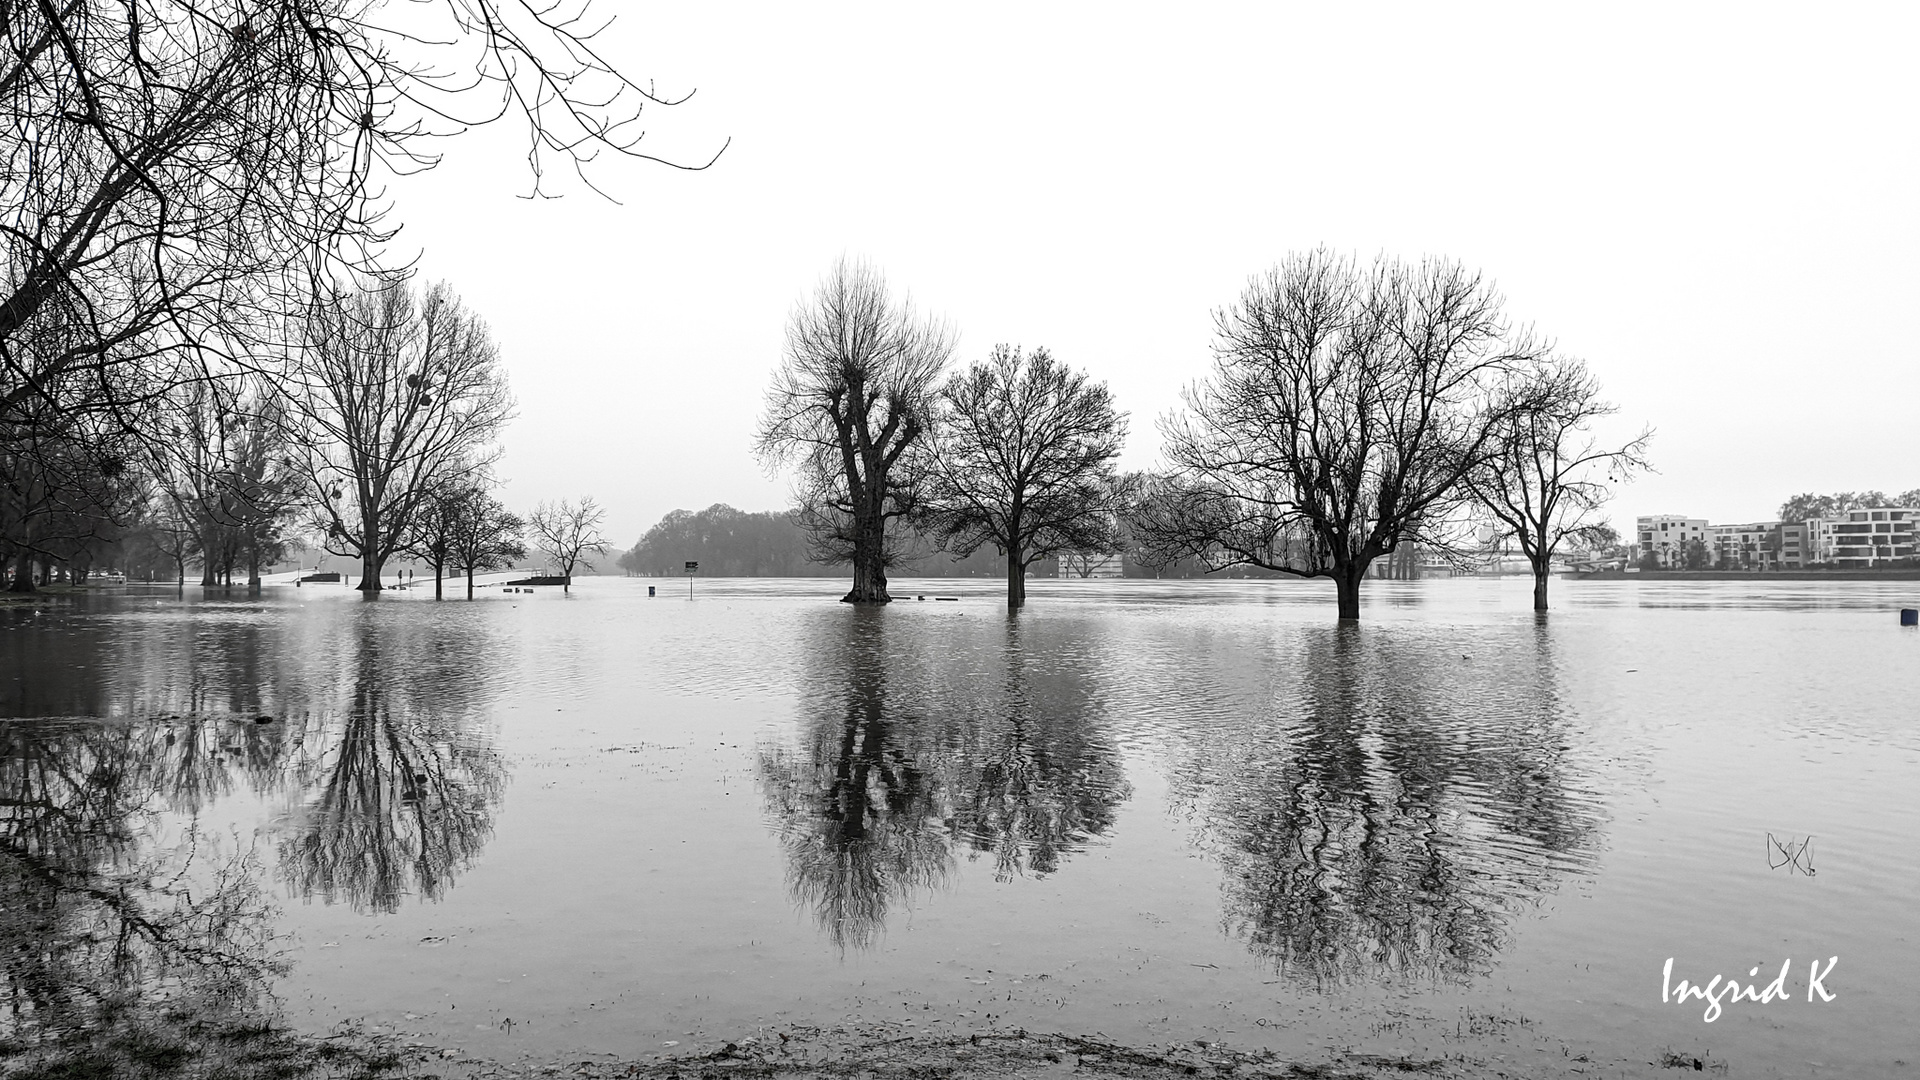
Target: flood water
x: 1158, y: 811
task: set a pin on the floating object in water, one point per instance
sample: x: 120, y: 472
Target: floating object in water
x: 263, y: 719
x: 1909, y: 616
x: 946, y: 598
x: 649, y: 590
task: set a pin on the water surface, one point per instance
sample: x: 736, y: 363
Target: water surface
x: 1154, y: 810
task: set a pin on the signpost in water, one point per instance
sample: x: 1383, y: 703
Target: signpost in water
x: 692, y: 569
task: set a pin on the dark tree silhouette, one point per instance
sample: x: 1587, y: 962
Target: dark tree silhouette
x: 399, y: 398
x: 1346, y: 408
x: 171, y: 173
x: 568, y: 534
x: 1546, y: 476
x: 849, y: 402
x: 1021, y: 458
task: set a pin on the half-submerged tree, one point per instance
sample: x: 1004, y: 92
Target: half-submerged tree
x: 848, y: 403
x: 1347, y: 406
x: 1021, y: 457
x: 466, y: 528
x: 568, y: 534
x: 400, y: 396
x: 1547, y: 475
x: 486, y: 536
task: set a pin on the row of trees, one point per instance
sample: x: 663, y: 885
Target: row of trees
x: 1353, y: 410
x: 200, y: 337
x: 1808, y: 506
x: 1016, y: 452
x: 376, y: 441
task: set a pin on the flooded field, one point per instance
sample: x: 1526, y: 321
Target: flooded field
x: 535, y: 825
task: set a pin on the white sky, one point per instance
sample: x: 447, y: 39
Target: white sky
x: 1717, y: 209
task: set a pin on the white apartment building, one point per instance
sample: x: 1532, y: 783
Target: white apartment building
x: 1666, y: 536
x: 1870, y: 536
x: 1752, y: 546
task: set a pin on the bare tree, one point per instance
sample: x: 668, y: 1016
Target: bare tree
x: 173, y: 172
x: 65, y: 476
x: 228, y: 463
x: 568, y: 534
x: 437, y: 526
x: 851, y: 398
x: 1547, y: 476
x: 1021, y: 457
x: 1347, y: 406
x: 400, y: 396
x: 486, y: 536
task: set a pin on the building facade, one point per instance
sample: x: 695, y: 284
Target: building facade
x: 1666, y: 537
x: 1755, y: 545
x: 1866, y: 537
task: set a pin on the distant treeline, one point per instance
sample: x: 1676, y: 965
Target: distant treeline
x: 736, y: 543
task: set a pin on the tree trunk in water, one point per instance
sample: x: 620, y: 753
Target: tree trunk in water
x: 23, y: 573
x: 1346, y: 587
x: 439, y: 571
x: 1540, y: 587
x: 469, y: 582
x: 1016, y: 578
x: 370, y: 562
x: 253, y: 571
x: 869, y: 566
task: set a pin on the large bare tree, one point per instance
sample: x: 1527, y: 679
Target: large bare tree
x: 569, y: 534
x: 851, y: 399
x: 173, y: 171
x: 399, y: 395
x: 1021, y: 457
x: 1347, y: 406
x: 1547, y: 475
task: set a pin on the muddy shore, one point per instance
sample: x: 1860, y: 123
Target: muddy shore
x: 179, y: 1048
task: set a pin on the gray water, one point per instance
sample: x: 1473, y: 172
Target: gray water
x: 1159, y: 811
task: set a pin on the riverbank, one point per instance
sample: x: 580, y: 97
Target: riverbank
x: 189, y: 1049
x: 1748, y: 575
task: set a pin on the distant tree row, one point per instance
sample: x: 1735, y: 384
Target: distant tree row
x: 1353, y: 410
x: 1809, y: 506
x: 735, y: 543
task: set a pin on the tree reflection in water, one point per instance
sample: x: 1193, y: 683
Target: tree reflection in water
x: 400, y: 786
x: 908, y: 750
x: 113, y: 894
x: 1395, y: 812
x: 99, y: 912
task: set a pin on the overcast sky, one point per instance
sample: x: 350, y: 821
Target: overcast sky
x: 1716, y: 209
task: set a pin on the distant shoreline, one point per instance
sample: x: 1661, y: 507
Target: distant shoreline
x: 1749, y: 575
